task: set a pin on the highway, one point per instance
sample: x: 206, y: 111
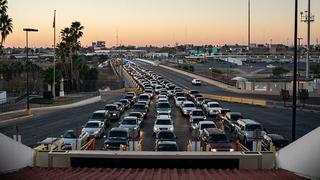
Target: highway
x: 273, y: 119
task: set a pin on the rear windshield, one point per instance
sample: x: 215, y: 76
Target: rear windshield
x: 69, y: 135
x: 217, y: 138
x: 181, y: 99
x: 111, y: 108
x: 167, y: 147
x: 189, y: 105
x: 197, y: 120
x: 129, y: 121
x: 163, y: 122
x: 204, y: 126
x: 197, y: 113
x: 92, y: 125
x: 253, y: 127
x: 144, y: 97
x: 165, y: 135
x: 214, y: 105
x: 118, y: 134
x: 98, y: 116
x: 139, y: 106
x: 163, y: 105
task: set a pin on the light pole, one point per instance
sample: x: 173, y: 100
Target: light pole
x: 294, y: 88
x: 249, y: 24
x: 298, y: 59
x: 27, y: 30
x: 307, y: 18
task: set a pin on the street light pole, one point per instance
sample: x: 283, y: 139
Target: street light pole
x: 27, y: 65
x: 294, y: 88
x: 249, y: 24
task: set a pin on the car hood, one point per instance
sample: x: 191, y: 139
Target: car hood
x: 188, y: 108
x: 91, y: 130
x: 127, y: 126
x: 225, y: 145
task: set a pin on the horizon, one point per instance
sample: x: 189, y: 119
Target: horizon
x: 143, y: 23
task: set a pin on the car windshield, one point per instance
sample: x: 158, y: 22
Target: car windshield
x: 214, y: 105
x: 139, y: 106
x: 197, y: 120
x: 179, y: 94
x: 204, y: 126
x: 118, y: 134
x: 92, y: 125
x: 165, y: 135
x: 181, y: 99
x: 163, y: 122
x: 69, y: 135
x: 98, y: 116
x: 123, y: 101
x: 129, y: 121
x: 148, y: 91
x: 171, y: 88
x: 111, y: 108
x: 197, y: 113
x: 218, y: 138
x: 144, y: 97
x: 200, y: 99
x: 167, y: 147
x: 163, y: 105
x: 235, y: 117
x: 189, y: 105
x: 253, y: 127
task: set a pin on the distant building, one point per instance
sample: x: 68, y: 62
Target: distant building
x: 278, y: 49
x: 99, y: 45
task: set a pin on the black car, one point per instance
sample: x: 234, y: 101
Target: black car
x: 166, y: 146
x: 130, y: 98
x: 140, y: 107
x: 116, y: 138
x: 126, y: 103
x: 277, y: 140
x: 113, y: 111
x: 165, y: 136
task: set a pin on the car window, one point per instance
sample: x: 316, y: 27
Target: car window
x: 163, y: 105
x: 163, y: 122
x: 167, y: 147
x: 197, y: 113
x: 98, y: 116
x: 189, y: 105
x: 92, y: 125
x: 218, y: 138
x: 203, y: 126
x: 252, y: 127
x: 166, y: 135
x: 118, y: 134
x: 214, y: 105
x: 111, y: 108
x: 129, y: 121
x: 69, y: 135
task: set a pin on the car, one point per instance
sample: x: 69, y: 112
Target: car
x: 194, y: 124
x: 187, y: 107
x: 196, y: 113
x: 120, y: 106
x: 216, y: 140
x: 179, y: 100
x: 164, y: 113
x: 116, y: 137
x: 165, y: 136
x: 130, y: 98
x: 101, y: 115
x: 157, y: 88
x: 132, y: 94
x: 162, y: 96
x: 203, y: 125
x: 70, y: 137
x: 153, y: 83
x: 177, y: 89
x: 94, y: 128
x: 145, y: 103
x: 139, y: 107
x: 166, y: 146
x: 212, y: 108
x: 205, y: 102
x: 139, y: 115
x: 199, y: 101
x: 163, y: 122
x: 274, y: 139
x: 113, y: 110
x: 171, y: 89
x: 149, y: 92
x: 231, y: 119
x: 145, y: 98
x: 179, y: 94
x: 131, y: 123
x: 126, y: 103
x: 247, y: 130
x: 163, y: 92
x: 196, y: 82
x: 194, y: 98
x: 191, y: 94
x: 163, y: 107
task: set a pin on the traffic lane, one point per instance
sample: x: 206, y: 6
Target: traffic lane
x: 54, y: 123
x: 277, y: 120
x: 185, y: 82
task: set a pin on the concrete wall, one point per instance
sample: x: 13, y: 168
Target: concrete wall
x: 3, y: 97
x: 14, y: 155
x: 302, y: 156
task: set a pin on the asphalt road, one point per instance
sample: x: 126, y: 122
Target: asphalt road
x: 273, y: 119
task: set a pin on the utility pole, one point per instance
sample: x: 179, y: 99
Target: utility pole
x: 294, y: 88
x: 307, y: 18
x: 54, y: 56
x: 249, y: 24
x: 117, y: 36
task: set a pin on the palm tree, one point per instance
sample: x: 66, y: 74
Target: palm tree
x: 6, y: 27
x: 3, y: 6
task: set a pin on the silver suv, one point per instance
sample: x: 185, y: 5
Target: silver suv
x: 246, y: 130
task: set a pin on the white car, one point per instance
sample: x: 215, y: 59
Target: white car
x: 196, y: 82
x: 158, y: 88
x: 161, y: 100
x: 212, y: 108
x: 94, y: 128
x: 187, y: 107
x: 163, y: 122
x: 70, y: 137
x: 203, y: 125
x: 162, y: 96
x: 179, y: 100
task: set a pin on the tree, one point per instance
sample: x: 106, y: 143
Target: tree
x: 315, y: 69
x: 6, y: 26
x: 279, y: 71
x: 47, y: 75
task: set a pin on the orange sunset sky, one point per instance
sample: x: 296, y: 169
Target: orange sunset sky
x: 160, y: 22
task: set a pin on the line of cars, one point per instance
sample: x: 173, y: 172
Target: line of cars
x: 196, y: 107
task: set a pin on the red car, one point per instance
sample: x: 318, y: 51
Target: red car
x: 216, y: 140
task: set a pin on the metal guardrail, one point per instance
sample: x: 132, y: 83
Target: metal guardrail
x: 257, y: 102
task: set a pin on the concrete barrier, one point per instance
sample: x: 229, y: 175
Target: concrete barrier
x: 256, y: 102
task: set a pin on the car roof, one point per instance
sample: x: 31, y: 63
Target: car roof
x: 100, y: 111
x: 130, y: 117
x: 206, y: 122
x: 188, y: 102
x: 211, y: 131
x: 167, y: 142
x: 118, y: 129
x: 94, y: 122
x: 249, y: 121
x: 197, y: 110
x: 163, y: 117
x: 111, y: 105
x: 213, y: 102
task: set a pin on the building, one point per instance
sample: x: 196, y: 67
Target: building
x: 99, y: 45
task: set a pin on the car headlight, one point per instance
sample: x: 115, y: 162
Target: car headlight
x: 155, y: 129
x: 114, y: 114
x: 171, y: 129
x: 231, y: 150
x: 185, y: 111
x: 213, y: 150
